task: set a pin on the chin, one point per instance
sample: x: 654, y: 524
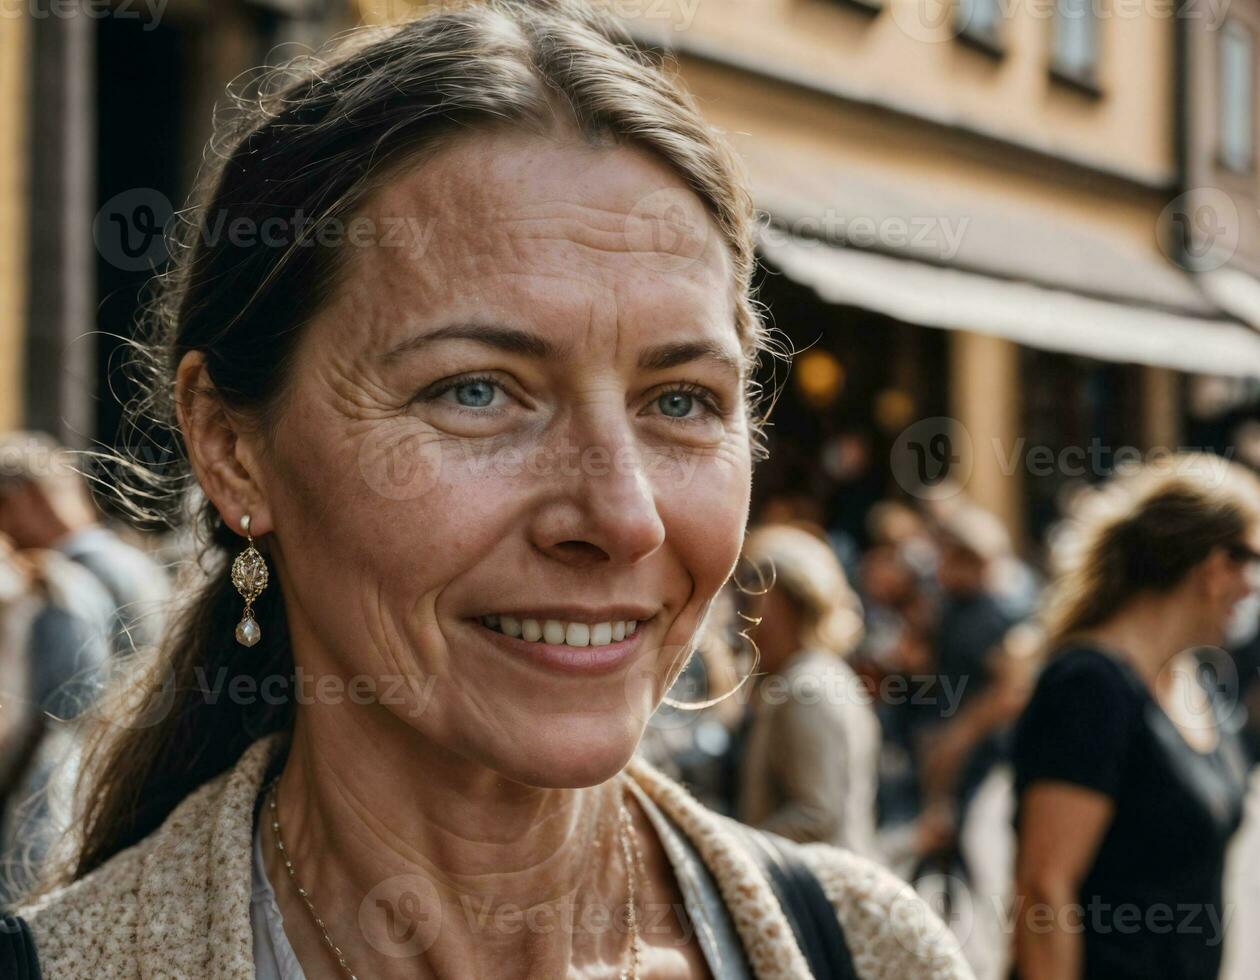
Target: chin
x: 584, y: 751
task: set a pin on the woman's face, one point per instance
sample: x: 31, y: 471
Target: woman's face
x: 529, y: 406
x: 1236, y: 582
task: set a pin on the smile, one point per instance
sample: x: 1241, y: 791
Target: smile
x: 562, y: 632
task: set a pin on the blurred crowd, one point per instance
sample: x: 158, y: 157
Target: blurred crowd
x: 877, y: 688
x: 864, y: 694
x: 868, y: 694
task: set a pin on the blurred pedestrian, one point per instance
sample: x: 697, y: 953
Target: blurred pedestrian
x: 810, y: 766
x: 1128, y: 785
x: 972, y: 620
x: 55, y: 623
x: 45, y: 504
x: 18, y: 606
x: 957, y: 730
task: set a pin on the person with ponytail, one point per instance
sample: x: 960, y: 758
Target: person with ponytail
x: 809, y: 765
x: 1128, y: 775
x: 458, y: 349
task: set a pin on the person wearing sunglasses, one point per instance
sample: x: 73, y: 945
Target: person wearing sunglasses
x: 1129, y: 783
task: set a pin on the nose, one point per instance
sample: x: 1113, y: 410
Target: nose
x: 604, y: 508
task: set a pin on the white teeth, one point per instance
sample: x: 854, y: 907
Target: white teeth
x: 555, y: 631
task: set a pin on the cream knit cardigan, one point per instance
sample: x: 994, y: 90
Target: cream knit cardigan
x: 176, y: 905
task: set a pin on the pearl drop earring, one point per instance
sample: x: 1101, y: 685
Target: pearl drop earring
x: 249, y: 575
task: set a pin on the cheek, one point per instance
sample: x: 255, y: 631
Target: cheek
x: 397, y: 498
x: 704, y: 503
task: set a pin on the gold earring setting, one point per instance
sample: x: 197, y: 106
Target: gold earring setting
x: 249, y: 575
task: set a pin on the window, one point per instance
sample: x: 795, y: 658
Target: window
x: 977, y: 20
x: 1076, y: 40
x: 1236, y: 105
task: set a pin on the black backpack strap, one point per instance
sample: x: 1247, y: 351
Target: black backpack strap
x: 804, y: 903
x: 17, y: 950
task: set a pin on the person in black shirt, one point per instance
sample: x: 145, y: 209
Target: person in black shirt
x: 1128, y: 786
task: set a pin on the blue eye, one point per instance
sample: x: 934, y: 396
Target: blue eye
x: 689, y: 402
x: 476, y: 393
x: 472, y: 393
x: 676, y: 404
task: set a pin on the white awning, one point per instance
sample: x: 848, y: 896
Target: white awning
x: 1048, y: 319
x: 1233, y: 291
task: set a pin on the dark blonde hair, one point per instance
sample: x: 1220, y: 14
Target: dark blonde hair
x: 1143, y: 533
x: 804, y: 565
x: 318, y: 137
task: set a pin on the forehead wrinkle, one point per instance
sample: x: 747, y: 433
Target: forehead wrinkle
x: 510, y: 236
x: 598, y: 229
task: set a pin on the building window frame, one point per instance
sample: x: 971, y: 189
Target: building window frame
x: 1236, y: 157
x: 1076, y: 45
x: 984, y: 33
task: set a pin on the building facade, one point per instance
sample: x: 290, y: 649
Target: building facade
x: 978, y: 197
x: 1016, y: 238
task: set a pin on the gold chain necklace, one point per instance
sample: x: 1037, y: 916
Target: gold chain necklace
x: 629, y: 851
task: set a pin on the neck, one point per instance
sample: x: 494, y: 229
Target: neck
x: 1150, y: 631
x: 397, y: 835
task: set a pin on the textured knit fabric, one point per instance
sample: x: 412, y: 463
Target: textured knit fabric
x: 177, y: 904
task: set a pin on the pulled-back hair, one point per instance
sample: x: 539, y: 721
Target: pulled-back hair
x: 1142, y: 534
x: 317, y: 138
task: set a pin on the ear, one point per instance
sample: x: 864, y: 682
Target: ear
x: 1216, y: 574
x: 221, y: 450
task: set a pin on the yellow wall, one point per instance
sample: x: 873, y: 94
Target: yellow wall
x: 985, y: 399
x: 13, y: 146
x: 906, y: 56
x: 837, y: 138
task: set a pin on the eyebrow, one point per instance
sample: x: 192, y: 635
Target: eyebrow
x: 508, y: 339
x: 665, y: 356
x: 515, y: 341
